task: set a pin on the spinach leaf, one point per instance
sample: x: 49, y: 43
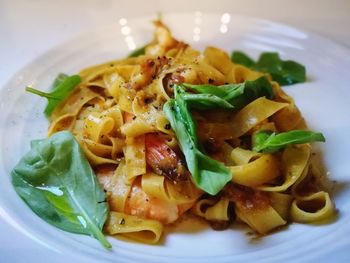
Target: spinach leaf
x: 241, y: 58
x: 57, y: 183
x: 267, y: 141
x: 260, y: 87
x: 59, y: 79
x: 208, y: 174
x: 138, y: 52
x: 206, y: 101
x: 185, y: 115
x: 237, y: 95
x: 61, y: 87
x: 285, y: 72
x: 222, y: 91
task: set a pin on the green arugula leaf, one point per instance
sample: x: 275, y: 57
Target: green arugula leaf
x: 138, y: 52
x: 260, y: 87
x: 237, y: 95
x: 56, y: 181
x: 241, y: 58
x: 225, y: 92
x: 61, y: 88
x: 206, y: 101
x: 59, y: 79
x: 285, y: 72
x: 268, y: 142
x: 208, y: 174
x: 184, y: 114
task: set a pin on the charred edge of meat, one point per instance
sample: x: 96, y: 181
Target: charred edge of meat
x: 211, y: 145
x: 169, y: 80
x: 245, y: 142
x: 164, y: 160
x: 173, y: 173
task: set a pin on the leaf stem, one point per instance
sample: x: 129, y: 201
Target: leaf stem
x: 41, y: 93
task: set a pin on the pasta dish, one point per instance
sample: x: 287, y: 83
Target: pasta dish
x: 171, y: 132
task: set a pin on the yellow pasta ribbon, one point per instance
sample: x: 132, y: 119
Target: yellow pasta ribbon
x: 262, y: 220
x: 281, y: 203
x: 295, y: 161
x: 254, y: 113
x: 257, y: 172
x: 154, y: 185
x: 312, y: 208
x: 219, y: 211
x: 242, y: 156
x: 143, y: 230
x: 184, y: 192
x: 135, y: 156
x: 119, y: 188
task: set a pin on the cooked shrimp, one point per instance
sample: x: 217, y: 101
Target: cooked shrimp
x: 142, y: 205
x: 139, y: 203
x: 163, y: 40
x: 163, y: 160
x: 128, y: 117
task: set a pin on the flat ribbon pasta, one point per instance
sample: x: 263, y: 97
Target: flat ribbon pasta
x: 212, y: 210
x: 144, y: 230
x: 135, y: 158
x: 180, y: 193
x: 312, y: 208
x: 295, y: 162
x: 254, y: 113
x: 260, y: 171
x: 219, y: 211
x: 97, y: 153
x: 64, y: 116
x: 242, y: 156
x: 261, y: 220
x: 254, y: 208
x: 119, y: 188
x: 281, y: 203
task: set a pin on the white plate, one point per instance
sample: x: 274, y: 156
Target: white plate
x: 323, y: 100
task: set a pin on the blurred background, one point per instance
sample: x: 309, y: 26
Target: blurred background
x: 28, y: 28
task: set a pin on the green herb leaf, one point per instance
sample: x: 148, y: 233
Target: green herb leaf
x: 206, y: 101
x: 57, y: 183
x: 208, y: 174
x: 61, y: 87
x: 237, y: 95
x: 285, y: 72
x: 260, y: 87
x: 138, y: 52
x: 185, y: 116
x: 267, y: 141
x: 59, y: 79
x: 241, y: 58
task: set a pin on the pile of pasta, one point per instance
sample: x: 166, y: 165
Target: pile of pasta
x: 117, y: 111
